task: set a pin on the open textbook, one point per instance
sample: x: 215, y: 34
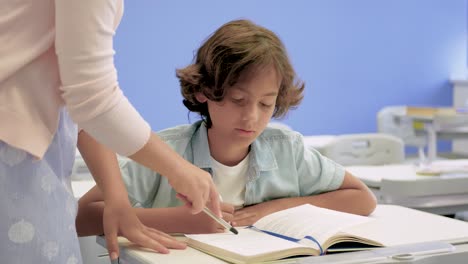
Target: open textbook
x: 302, y: 230
x: 311, y: 230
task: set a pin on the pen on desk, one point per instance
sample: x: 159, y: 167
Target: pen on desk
x: 220, y: 220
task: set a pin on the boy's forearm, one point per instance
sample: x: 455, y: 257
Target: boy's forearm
x: 89, y: 219
x: 353, y: 201
x: 172, y: 220
x: 353, y: 196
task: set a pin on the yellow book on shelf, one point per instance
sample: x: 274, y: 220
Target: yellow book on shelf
x: 430, y: 112
x: 447, y: 119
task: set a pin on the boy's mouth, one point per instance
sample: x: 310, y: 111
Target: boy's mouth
x: 247, y: 131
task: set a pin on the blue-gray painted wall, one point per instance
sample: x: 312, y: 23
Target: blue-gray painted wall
x: 355, y: 56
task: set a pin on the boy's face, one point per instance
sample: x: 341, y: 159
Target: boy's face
x: 246, y: 109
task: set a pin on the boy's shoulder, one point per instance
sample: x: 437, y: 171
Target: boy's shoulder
x: 273, y: 133
x: 281, y: 143
x: 179, y: 132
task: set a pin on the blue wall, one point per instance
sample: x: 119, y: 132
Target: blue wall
x: 356, y: 56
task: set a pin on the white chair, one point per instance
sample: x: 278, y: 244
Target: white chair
x: 365, y: 149
x: 318, y: 142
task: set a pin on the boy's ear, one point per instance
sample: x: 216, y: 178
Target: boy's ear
x: 201, y: 98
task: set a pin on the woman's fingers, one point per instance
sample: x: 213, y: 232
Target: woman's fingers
x: 165, y: 239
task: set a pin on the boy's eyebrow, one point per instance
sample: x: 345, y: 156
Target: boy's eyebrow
x: 271, y: 94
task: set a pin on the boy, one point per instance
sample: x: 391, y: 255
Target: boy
x: 240, y: 79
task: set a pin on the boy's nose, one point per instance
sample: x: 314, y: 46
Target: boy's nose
x: 249, y: 113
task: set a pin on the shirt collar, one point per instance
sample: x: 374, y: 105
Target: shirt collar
x: 200, y: 147
x: 262, y: 157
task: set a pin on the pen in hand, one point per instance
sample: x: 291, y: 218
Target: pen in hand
x: 211, y: 214
x: 220, y: 221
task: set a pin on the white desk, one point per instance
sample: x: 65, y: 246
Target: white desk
x: 133, y: 255
x: 397, y: 254
x: 399, y: 184
x: 442, y: 231
x: 443, y: 123
x: 82, y: 187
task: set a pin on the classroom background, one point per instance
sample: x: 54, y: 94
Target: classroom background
x: 355, y: 57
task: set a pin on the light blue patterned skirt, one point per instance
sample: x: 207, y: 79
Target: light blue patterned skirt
x: 37, y: 206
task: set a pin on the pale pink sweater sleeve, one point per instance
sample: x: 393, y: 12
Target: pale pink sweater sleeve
x: 84, y: 46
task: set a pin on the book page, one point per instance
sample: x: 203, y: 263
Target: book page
x: 396, y: 225
x: 247, y: 243
x: 308, y: 220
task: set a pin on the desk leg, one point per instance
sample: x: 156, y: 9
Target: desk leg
x: 431, y: 143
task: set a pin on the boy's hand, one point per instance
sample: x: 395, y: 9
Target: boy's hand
x: 227, y: 211
x: 120, y: 219
x: 251, y: 214
x: 202, y: 223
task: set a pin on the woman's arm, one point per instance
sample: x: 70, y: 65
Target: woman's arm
x: 169, y: 220
x: 117, y: 214
x: 84, y: 32
x: 187, y: 179
x: 353, y: 196
x: 84, y: 37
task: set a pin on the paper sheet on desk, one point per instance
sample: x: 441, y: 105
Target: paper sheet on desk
x: 445, y: 168
x: 373, y: 175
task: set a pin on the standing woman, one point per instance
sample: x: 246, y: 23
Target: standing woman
x: 56, y: 71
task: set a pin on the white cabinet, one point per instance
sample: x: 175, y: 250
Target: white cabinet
x: 460, y: 100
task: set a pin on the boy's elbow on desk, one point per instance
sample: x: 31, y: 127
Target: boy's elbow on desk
x: 369, y: 204
x: 363, y: 203
x: 365, y: 200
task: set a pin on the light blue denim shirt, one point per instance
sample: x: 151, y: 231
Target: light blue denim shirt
x: 280, y: 166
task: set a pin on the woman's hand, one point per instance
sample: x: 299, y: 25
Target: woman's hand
x: 195, y: 188
x: 120, y: 219
x: 118, y: 215
x: 202, y: 223
x: 187, y: 179
x: 227, y: 211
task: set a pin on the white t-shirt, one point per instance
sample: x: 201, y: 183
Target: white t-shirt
x: 230, y: 181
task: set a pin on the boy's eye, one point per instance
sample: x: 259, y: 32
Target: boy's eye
x: 266, y: 104
x: 237, y: 100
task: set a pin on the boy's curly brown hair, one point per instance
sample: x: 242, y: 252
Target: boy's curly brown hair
x: 234, y: 48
